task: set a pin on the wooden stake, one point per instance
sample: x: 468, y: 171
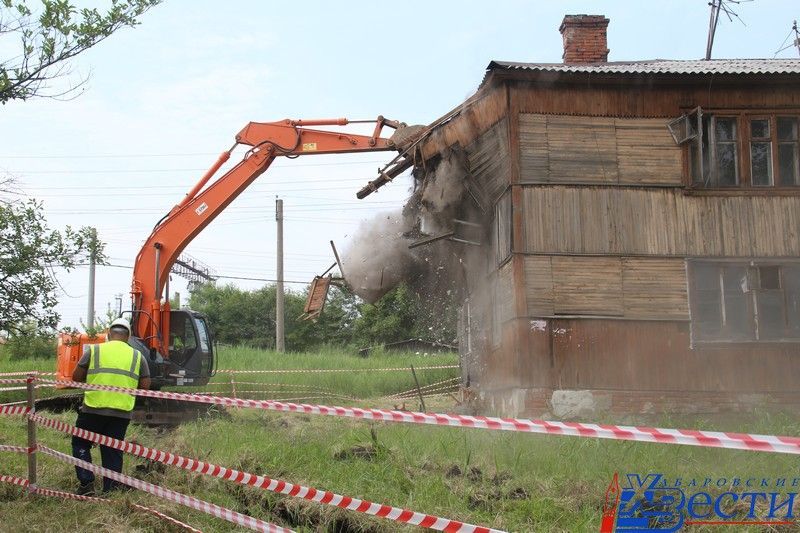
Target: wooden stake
x: 419, y: 392
x: 31, y: 390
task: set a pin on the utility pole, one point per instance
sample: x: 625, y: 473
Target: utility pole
x: 712, y: 25
x: 92, y: 259
x: 279, y: 338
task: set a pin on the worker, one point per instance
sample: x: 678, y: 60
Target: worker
x: 107, y: 413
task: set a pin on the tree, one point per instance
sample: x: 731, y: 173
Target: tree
x: 29, y: 253
x: 48, y: 39
x: 238, y: 316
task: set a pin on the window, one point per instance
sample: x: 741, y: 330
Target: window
x: 730, y: 150
x: 744, y: 301
x: 501, y: 229
x: 789, y: 150
x: 760, y: 152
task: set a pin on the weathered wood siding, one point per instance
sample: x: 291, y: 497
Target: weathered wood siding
x: 489, y: 163
x: 566, y: 149
x: 642, y: 98
x: 629, y: 287
x: 504, y: 295
x: 539, y: 285
x: 473, y: 119
x: 657, y: 221
x: 587, y: 286
x: 656, y: 356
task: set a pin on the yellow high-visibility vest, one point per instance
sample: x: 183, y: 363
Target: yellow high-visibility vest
x: 112, y: 363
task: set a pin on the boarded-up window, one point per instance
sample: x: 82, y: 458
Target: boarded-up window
x: 744, y: 301
x: 501, y: 229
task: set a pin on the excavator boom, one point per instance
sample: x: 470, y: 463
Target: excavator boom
x: 172, y: 346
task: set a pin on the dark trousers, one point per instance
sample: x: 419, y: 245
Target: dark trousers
x: 111, y: 426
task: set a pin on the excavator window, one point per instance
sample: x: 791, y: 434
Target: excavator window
x: 202, y: 330
x: 182, y: 337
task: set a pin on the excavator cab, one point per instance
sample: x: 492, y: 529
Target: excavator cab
x: 190, y: 359
x: 191, y: 352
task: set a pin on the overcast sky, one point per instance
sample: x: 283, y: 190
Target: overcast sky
x: 165, y: 98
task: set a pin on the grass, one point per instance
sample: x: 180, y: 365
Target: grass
x: 517, y: 482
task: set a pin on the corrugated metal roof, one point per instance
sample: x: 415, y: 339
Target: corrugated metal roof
x: 663, y: 66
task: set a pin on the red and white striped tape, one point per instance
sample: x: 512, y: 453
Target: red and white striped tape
x: 14, y: 381
x: 70, y: 496
x: 688, y: 437
x: 333, y: 370
x: 167, y: 494
x: 13, y: 449
x: 274, y: 485
x: 444, y: 384
x: 13, y: 409
x: 14, y: 480
x: 26, y: 372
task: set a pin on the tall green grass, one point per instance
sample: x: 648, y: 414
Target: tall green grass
x: 512, y: 481
x: 360, y: 381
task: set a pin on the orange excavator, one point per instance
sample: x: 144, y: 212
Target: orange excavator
x: 179, y: 342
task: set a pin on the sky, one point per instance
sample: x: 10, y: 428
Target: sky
x: 165, y: 98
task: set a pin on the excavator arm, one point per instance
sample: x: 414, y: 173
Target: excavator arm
x: 204, y: 202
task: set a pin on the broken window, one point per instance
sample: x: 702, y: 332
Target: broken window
x: 739, y: 150
x: 744, y: 301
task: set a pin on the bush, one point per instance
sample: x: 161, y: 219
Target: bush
x: 30, y: 346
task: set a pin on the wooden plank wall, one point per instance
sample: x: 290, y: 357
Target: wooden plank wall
x: 567, y: 149
x: 628, y: 287
x: 657, y: 356
x: 490, y: 163
x: 504, y: 295
x: 641, y: 97
x: 472, y: 120
x: 657, y: 221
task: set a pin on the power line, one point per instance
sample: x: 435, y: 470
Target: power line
x: 218, y: 276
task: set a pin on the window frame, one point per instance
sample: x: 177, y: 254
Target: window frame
x: 743, y: 152
x: 753, y: 272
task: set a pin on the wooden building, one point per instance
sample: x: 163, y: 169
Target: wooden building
x: 645, y: 232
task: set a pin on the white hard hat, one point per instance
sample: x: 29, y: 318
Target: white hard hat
x: 121, y: 323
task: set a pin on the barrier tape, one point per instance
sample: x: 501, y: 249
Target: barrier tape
x: 26, y: 372
x: 16, y: 381
x: 70, y: 496
x: 14, y: 480
x: 326, y: 370
x: 13, y: 449
x: 167, y: 494
x: 452, y: 382
x: 688, y: 437
x: 273, y: 485
x: 9, y: 389
x: 13, y: 409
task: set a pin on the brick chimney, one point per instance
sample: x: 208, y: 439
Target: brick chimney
x: 585, y: 39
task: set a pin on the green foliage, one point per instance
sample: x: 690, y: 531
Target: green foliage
x: 248, y: 317
x: 31, y: 252
x: 390, y: 319
x: 30, y: 343
x: 50, y: 37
